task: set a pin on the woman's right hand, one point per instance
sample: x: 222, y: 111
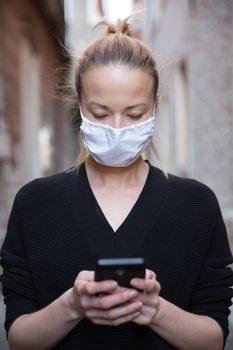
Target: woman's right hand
x: 103, y: 302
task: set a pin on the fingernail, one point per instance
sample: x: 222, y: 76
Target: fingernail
x: 138, y: 304
x: 113, y: 284
x: 133, y: 293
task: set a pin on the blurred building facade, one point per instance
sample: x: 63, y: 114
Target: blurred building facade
x: 35, y: 138
x: 193, y: 43
x: 81, y: 16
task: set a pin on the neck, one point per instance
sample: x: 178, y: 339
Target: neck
x: 116, y: 177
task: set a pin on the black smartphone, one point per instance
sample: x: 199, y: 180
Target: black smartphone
x: 121, y: 270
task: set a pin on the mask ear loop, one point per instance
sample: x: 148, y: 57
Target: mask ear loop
x: 154, y: 108
x: 81, y: 112
x: 82, y: 115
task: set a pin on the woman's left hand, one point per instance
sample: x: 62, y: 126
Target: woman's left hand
x: 149, y: 297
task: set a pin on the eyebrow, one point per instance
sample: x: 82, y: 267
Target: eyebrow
x: 105, y: 107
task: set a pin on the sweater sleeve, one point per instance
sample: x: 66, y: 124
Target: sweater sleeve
x: 17, y: 286
x: 213, y: 293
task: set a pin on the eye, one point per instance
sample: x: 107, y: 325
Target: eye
x: 100, y: 116
x: 135, y: 116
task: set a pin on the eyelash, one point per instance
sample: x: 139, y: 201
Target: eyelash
x: 102, y: 116
x: 135, y: 116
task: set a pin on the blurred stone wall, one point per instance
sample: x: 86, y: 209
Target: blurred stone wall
x: 35, y: 130
x: 36, y: 137
x: 193, y: 44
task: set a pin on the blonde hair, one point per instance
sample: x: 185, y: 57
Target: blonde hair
x: 116, y: 46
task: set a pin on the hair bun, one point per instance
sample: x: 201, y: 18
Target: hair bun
x: 122, y: 26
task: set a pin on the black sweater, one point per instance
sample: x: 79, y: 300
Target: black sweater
x: 56, y: 229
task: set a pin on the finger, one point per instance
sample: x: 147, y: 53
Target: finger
x: 149, y: 300
x: 93, y: 288
x: 141, y: 320
x: 146, y: 285
x: 86, y: 275
x: 142, y: 284
x: 120, y: 289
x: 150, y: 274
x: 117, y: 321
x: 112, y: 300
x: 116, y: 312
x: 146, y: 315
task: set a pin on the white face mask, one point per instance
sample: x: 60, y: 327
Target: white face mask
x: 117, y: 147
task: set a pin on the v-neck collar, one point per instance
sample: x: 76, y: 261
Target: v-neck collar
x: 104, y: 241
x: 94, y: 200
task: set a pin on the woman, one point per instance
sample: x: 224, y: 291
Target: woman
x: 114, y: 204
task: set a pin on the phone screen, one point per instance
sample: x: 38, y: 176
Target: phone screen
x: 121, y: 270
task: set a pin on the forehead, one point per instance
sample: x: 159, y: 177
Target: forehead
x: 117, y: 82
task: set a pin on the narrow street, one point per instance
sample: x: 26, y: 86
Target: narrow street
x: 192, y: 44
